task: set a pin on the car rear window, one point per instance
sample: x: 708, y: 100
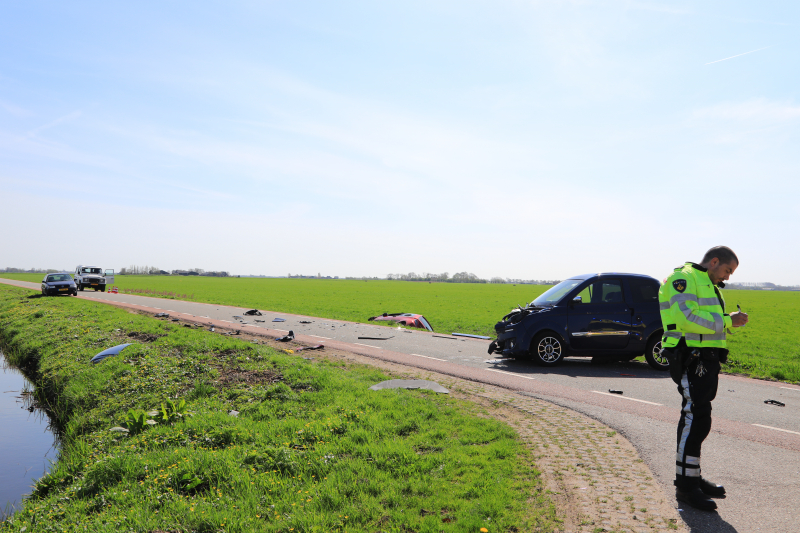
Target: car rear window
x: 644, y: 290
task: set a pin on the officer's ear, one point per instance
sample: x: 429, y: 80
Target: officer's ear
x: 713, y: 263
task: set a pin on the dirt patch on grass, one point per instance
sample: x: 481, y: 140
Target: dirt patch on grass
x: 143, y: 337
x: 229, y: 377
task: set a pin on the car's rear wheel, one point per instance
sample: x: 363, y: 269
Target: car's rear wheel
x: 653, y: 354
x: 547, y: 348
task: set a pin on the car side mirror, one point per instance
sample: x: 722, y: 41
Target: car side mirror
x: 577, y: 300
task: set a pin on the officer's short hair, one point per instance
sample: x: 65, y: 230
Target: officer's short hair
x: 723, y: 253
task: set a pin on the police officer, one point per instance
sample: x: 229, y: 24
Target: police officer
x: 695, y: 325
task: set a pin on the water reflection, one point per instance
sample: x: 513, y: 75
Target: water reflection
x: 27, y: 444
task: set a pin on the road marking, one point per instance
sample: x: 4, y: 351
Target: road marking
x: 283, y: 330
x: 777, y: 429
x: 320, y: 337
x: 368, y: 345
x: 791, y: 388
x: 428, y: 357
x: 509, y: 373
x: 625, y: 398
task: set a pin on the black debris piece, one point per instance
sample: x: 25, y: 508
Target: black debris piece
x: 175, y: 320
x: 286, y: 338
x: 472, y: 336
x: 279, y: 320
x: 162, y: 315
x: 253, y: 312
x: 443, y: 337
x: 410, y: 384
x: 612, y: 391
x: 187, y: 325
x: 306, y: 322
x: 257, y: 320
x: 377, y: 338
x: 775, y: 402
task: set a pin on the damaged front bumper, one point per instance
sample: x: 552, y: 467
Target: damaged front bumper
x: 505, y: 344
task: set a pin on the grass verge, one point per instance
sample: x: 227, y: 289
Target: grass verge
x: 310, y: 449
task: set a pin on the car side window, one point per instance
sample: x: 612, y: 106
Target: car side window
x: 586, y: 294
x: 644, y: 291
x: 609, y: 292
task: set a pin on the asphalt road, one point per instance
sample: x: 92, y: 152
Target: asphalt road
x: 753, y: 448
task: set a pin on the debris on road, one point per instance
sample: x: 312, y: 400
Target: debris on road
x: 253, y: 312
x: 306, y: 322
x: 444, y: 337
x: 412, y: 320
x: 377, y: 338
x: 775, y: 402
x: 175, y: 320
x: 238, y: 317
x: 612, y: 391
x: 279, y: 320
x: 109, y: 352
x: 410, y: 384
x: 286, y: 338
x: 162, y: 315
x: 484, y: 337
x: 497, y: 361
x: 257, y: 320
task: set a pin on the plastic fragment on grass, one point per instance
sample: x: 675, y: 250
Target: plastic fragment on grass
x: 119, y: 430
x: 233, y: 413
x: 410, y: 384
x: 109, y: 353
x: 162, y: 315
x: 484, y: 337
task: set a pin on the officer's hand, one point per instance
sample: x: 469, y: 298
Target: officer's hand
x: 739, y: 319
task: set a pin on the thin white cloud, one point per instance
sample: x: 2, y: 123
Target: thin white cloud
x: 52, y: 123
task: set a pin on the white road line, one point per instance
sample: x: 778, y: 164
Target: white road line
x: 368, y: 345
x: 777, y: 429
x: 791, y: 388
x: 429, y: 357
x: 283, y: 330
x: 625, y: 398
x: 509, y: 373
x: 320, y: 337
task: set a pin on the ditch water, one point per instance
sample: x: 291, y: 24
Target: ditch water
x: 27, y: 443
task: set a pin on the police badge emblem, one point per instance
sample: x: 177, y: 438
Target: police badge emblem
x: 679, y: 284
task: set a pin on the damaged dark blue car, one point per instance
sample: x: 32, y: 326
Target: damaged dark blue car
x: 605, y: 316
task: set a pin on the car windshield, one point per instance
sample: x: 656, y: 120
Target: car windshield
x: 90, y: 270
x: 58, y: 277
x: 554, y: 294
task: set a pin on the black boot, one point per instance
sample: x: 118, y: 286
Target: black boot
x: 688, y: 491
x: 712, y: 489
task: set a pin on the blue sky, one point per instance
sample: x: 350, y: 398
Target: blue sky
x: 530, y: 140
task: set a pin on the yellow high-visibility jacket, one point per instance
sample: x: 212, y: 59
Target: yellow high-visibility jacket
x: 693, y: 308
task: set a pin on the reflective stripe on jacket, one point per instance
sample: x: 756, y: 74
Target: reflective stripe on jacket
x: 693, y: 308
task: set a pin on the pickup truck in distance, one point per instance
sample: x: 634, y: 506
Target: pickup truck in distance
x: 610, y: 316
x: 93, y: 277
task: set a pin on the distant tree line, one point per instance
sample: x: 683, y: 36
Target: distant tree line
x: 465, y: 277
x: 13, y: 270
x: 155, y: 271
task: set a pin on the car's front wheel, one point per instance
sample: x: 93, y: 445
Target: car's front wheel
x: 653, y: 354
x: 547, y: 348
x: 80, y: 287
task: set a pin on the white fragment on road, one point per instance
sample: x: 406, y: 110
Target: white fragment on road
x: 367, y: 345
x: 429, y: 357
x: 624, y: 397
x: 509, y: 373
x: 320, y: 337
x: 778, y: 429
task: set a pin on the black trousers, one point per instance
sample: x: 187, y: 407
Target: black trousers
x: 698, y: 388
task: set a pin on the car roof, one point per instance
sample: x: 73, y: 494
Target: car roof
x: 611, y: 274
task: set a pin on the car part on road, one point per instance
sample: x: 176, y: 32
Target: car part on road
x: 109, y: 352
x: 612, y: 391
x: 377, y: 338
x: 412, y: 320
x: 775, y: 402
x: 279, y: 320
x: 484, y: 337
x: 445, y: 337
x: 410, y: 384
x: 547, y: 348
x: 285, y: 338
x: 306, y: 322
x: 253, y: 312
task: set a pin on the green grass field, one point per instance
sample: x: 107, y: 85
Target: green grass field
x: 312, y: 449
x: 768, y: 347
